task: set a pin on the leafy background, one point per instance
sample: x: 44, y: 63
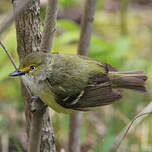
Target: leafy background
x: 122, y: 38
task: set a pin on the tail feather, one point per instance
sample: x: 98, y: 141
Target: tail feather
x: 130, y: 80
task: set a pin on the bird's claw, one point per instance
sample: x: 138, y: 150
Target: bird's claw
x: 37, y: 104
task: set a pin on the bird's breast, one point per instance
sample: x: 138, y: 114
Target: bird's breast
x: 35, y: 85
x: 42, y: 89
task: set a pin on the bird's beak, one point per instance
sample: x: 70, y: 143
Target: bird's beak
x: 17, y: 73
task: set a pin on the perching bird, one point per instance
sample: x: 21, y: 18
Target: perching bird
x: 69, y: 83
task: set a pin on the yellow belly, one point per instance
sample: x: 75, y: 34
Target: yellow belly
x: 49, y: 99
x: 43, y: 90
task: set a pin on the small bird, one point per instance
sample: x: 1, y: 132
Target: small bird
x: 69, y: 83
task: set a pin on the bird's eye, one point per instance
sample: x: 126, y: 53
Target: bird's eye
x: 32, y: 67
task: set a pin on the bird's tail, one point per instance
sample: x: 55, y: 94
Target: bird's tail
x: 130, y: 80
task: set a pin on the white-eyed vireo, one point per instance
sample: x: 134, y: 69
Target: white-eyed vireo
x: 69, y: 83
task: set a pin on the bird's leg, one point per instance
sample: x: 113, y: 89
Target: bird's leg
x: 37, y: 104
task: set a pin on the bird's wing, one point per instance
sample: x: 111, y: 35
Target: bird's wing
x: 99, y: 93
x: 92, y: 96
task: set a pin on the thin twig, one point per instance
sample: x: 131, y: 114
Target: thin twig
x: 8, y: 54
x: 11, y: 16
x: 12, y: 61
x: 120, y: 138
x: 85, y: 36
x: 49, y: 25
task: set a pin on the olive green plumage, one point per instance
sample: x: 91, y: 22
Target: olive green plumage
x: 70, y: 82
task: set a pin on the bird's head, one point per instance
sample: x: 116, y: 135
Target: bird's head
x: 31, y: 63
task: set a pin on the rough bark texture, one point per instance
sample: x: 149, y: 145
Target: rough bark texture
x: 47, y: 137
x: 28, y: 40
x: 47, y: 140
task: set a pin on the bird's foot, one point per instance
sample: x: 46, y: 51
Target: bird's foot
x: 37, y: 104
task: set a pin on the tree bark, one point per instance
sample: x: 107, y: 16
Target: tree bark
x: 74, y: 134
x: 86, y: 27
x: 49, y: 27
x: 39, y: 130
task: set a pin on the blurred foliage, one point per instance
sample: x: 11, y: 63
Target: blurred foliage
x: 67, y: 4
x: 125, y: 52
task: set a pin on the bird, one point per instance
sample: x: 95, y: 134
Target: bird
x: 69, y: 83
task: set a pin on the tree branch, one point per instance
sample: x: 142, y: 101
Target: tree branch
x: 85, y: 36
x: 28, y: 40
x: 49, y: 25
x: 38, y: 110
x: 120, y: 138
x: 86, y: 26
x: 12, y: 61
x: 74, y: 134
x: 8, y: 54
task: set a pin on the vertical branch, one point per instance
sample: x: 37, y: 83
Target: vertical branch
x: 49, y: 26
x: 85, y: 36
x: 36, y: 127
x: 46, y: 43
x: 74, y: 134
x: 86, y: 26
x: 28, y: 40
x: 47, y: 140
